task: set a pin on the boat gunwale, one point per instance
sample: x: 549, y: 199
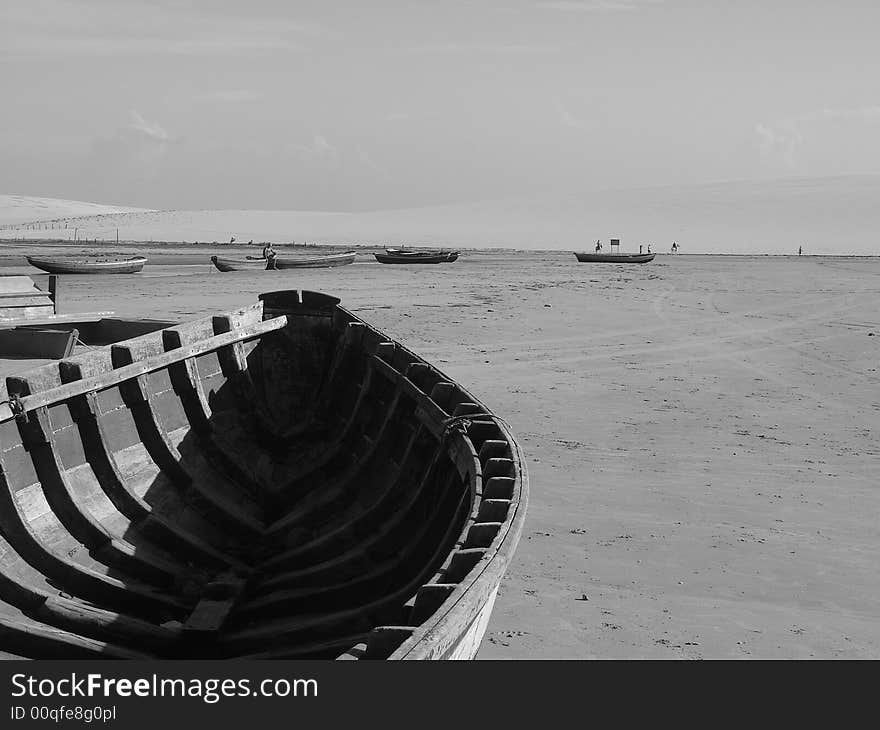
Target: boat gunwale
x: 429, y: 637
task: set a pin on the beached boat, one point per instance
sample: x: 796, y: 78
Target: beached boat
x: 73, y: 265
x: 225, y: 263
x: 450, y: 255
x: 408, y: 257
x: 278, y: 262
x: 615, y: 258
x: 279, y: 481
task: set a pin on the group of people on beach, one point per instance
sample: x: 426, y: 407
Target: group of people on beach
x: 599, y: 247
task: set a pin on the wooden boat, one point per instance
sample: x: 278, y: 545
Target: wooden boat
x: 70, y: 265
x: 450, y: 255
x: 413, y: 258
x: 308, y: 262
x: 224, y: 263
x: 283, y: 262
x: 615, y: 258
x: 279, y: 481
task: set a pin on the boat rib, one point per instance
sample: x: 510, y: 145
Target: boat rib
x: 279, y: 481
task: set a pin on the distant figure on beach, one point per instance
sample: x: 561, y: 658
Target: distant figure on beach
x: 232, y: 240
x: 268, y: 251
x: 640, y: 248
x: 800, y: 250
x: 649, y: 248
x: 598, y: 246
x: 674, y: 247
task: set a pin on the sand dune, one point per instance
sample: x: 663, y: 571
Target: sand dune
x: 824, y: 215
x: 18, y: 210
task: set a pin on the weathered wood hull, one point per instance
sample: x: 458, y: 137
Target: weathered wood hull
x: 609, y: 258
x: 413, y: 258
x: 450, y: 255
x: 284, y: 262
x: 63, y: 265
x: 315, y: 262
x: 279, y: 481
x: 225, y: 264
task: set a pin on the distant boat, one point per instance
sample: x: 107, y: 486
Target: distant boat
x: 615, y: 258
x: 68, y: 265
x: 396, y: 256
x: 450, y: 255
x: 283, y: 262
x: 227, y: 264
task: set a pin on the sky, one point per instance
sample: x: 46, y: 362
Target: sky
x: 352, y: 106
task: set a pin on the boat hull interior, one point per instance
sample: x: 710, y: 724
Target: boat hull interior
x: 282, y: 481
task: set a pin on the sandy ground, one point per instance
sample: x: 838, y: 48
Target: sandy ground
x: 701, y: 434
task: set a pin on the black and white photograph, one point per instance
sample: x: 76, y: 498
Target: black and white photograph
x: 409, y: 330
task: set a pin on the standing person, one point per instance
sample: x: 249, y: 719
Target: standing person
x: 640, y: 248
x: 649, y: 248
x: 800, y: 250
x: 598, y: 245
x: 268, y: 251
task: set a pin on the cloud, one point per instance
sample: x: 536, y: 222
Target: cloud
x: 371, y: 165
x: 783, y: 139
x: 150, y: 130
x: 488, y: 48
x: 319, y: 149
x: 138, y: 151
x: 229, y: 96
x: 72, y: 28
x: 101, y: 47
x: 566, y: 118
x: 595, y: 6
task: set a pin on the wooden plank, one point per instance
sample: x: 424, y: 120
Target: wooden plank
x: 24, y: 311
x: 42, y: 318
x: 17, y: 283
x: 129, y: 372
x: 24, y: 295
x: 217, y: 602
x: 54, y: 291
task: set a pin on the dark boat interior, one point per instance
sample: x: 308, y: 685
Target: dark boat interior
x: 279, y: 482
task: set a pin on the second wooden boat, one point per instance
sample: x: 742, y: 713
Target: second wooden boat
x: 450, y: 255
x: 414, y: 258
x: 615, y: 258
x: 279, y: 262
x: 75, y: 265
x: 281, y: 481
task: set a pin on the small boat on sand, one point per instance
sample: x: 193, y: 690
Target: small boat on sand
x: 225, y: 263
x: 615, y: 258
x: 98, y: 265
x: 279, y: 262
x: 281, y: 481
x: 450, y: 255
x: 416, y: 257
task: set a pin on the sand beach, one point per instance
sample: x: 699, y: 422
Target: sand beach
x: 701, y: 433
